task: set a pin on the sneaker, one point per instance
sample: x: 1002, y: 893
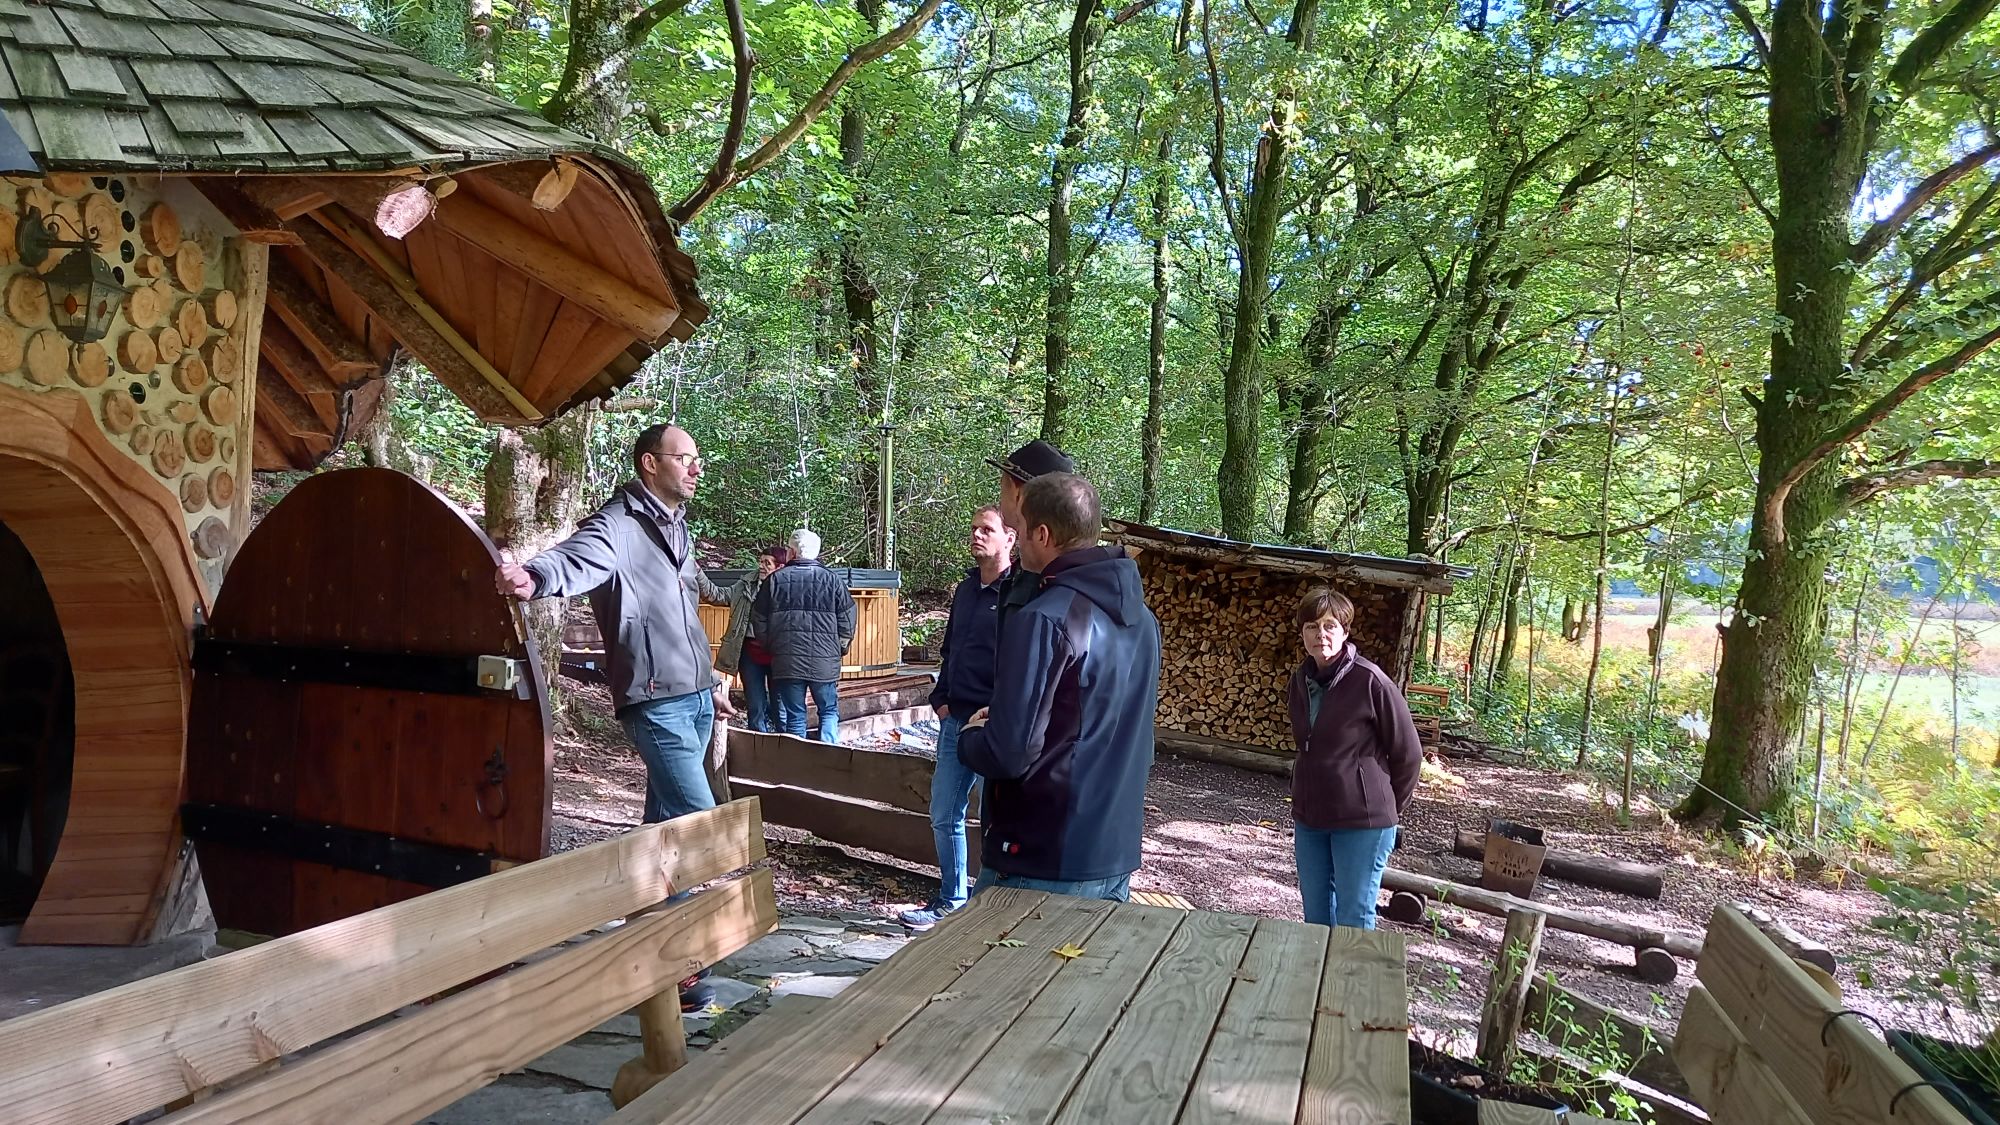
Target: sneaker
x: 696, y: 993
x: 925, y: 916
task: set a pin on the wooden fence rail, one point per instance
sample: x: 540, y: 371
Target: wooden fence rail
x: 872, y: 799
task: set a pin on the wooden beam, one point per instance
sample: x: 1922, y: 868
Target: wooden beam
x: 587, y: 284
x: 545, y: 185
x: 414, y: 324
x: 107, y: 1057
x: 1561, y: 917
x: 319, y: 328
x: 1625, y: 876
x: 412, y: 1066
x: 253, y: 220
x: 300, y: 368
x: 855, y: 824
x: 288, y: 409
x: 899, y: 780
x: 1729, y: 1079
x: 1239, y: 754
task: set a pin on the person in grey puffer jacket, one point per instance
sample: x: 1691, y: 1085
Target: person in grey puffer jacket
x: 805, y: 616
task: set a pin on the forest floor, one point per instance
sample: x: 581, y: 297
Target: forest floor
x: 1220, y: 837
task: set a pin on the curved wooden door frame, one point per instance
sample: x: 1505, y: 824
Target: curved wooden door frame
x: 115, y: 556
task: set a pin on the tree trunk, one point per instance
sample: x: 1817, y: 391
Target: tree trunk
x: 1152, y: 437
x: 594, y: 94
x: 534, y: 496
x: 858, y: 303
x: 1313, y: 421
x: 1768, y: 645
x: 1603, y: 574
x: 1510, y: 617
x: 1086, y: 29
x: 1242, y: 380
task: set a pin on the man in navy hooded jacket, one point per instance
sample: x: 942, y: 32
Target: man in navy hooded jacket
x: 1067, y: 743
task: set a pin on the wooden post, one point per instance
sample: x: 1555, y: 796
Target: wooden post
x: 1507, y: 991
x: 663, y: 1043
x: 718, y: 761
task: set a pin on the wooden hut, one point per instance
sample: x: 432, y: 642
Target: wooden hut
x: 1227, y: 643
x: 877, y: 647
x: 221, y: 221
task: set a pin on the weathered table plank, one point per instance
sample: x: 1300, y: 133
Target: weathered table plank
x: 779, y: 1082
x: 1142, y: 1073
x: 904, y: 1081
x: 1359, y: 1068
x: 1027, y: 1075
x: 1256, y: 1060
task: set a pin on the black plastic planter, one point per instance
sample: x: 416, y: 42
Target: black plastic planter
x: 1436, y: 1100
x: 1979, y: 1104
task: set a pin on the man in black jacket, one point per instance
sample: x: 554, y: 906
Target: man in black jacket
x: 1068, y: 741
x: 1037, y: 458
x: 805, y: 617
x: 964, y: 686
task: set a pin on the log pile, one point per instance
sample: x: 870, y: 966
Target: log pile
x: 1228, y: 647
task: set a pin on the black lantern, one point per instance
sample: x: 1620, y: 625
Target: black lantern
x: 83, y: 292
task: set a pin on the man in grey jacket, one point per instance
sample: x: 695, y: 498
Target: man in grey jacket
x: 635, y: 558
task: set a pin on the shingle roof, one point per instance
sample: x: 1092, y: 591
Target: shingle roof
x: 243, y: 86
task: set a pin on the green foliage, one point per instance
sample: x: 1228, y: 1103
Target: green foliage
x: 1957, y: 980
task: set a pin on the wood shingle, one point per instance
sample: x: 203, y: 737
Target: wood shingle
x: 246, y: 86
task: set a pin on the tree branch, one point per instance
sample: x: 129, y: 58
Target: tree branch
x: 851, y: 65
x: 1869, y: 417
x: 1856, y: 490
x: 1934, y: 41
x: 1919, y: 197
x: 720, y: 174
x: 650, y: 17
x: 1743, y: 16
x: 1705, y: 492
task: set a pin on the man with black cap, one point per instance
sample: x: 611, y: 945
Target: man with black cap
x: 1035, y: 459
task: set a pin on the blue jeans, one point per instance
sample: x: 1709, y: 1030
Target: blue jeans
x: 792, y: 707
x: 757, y: 695
x: 1340, y: 872
x: 672, y: 736
x: 951, y: 787
x: 1117, y: 889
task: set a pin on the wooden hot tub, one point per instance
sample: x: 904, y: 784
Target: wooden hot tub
x: 878, y: 634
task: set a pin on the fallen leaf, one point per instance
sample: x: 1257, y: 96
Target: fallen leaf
x: 964, y: 965
x: 1244, y: 977
x: 1288, y: 800
x: 713, y: 1009
x: 1267, y: 824
x: 946, y: 996
x: 1007, y: 943
x: 1068, y: 952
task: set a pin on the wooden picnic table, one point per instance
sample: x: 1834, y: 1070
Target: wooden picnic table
x: 1027, y: 1007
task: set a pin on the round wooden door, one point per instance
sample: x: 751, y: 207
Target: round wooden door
x: 368, y: 720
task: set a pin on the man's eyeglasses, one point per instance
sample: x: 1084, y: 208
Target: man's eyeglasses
x: 690, y: 462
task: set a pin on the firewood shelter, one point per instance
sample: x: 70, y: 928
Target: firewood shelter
x: 221, y: 222
x: 1227, y: 643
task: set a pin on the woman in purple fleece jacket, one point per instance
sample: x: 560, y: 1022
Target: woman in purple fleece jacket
x: 1358, y: 762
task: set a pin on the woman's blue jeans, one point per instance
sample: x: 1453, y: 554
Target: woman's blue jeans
x: 758, y: 697
x: 1340, y: 872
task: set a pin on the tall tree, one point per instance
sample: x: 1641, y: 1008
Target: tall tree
x: 1254, y: 226
x: 1165, y: 178
x: 1857, y: 89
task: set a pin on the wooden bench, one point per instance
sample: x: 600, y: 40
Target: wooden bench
x: 246, y: 1036
x: 1762, y: 1042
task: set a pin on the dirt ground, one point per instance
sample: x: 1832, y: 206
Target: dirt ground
x: 1221, y: 838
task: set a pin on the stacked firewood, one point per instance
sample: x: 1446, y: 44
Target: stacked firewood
x: 1228, y: 647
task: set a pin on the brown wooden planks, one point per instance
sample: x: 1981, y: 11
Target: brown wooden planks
x: 1731, y: 1081
x: 1143, y: 1072
x: 419, y: 1063
x: 856, y: 824
x: 1257, y: 1057
x: 1028, y: 1074
x: 776, y: 1083
x: 901, y: 780
x: 114, y: 1054
x: 918, y: 1069
x: 1358, y: 1068
x: 1787, y: 1019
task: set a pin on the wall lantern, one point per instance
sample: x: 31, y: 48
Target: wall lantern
x: 83, y: 292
